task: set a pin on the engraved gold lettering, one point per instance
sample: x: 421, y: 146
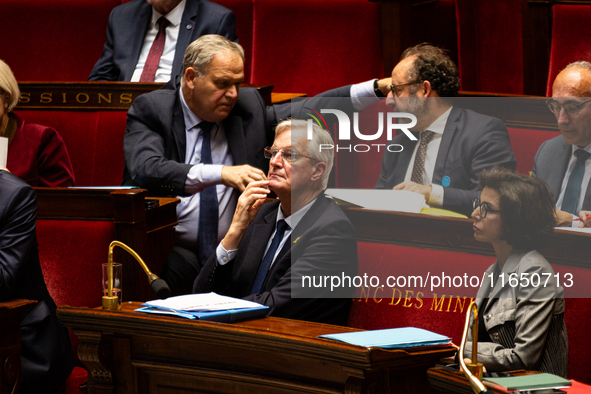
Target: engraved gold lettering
x: 407, y: 298
x: 451, y: 297
x: 375, y: 294
x: 434, y: 305
x: 64, y: 100
x: 394, y: 290
x: 87, y: 98
x: 101, y: 97
x: 364, y: 294
x: 24, y: 98
x: 419, y: 295
x: 463, y: 302
x: 125, y: 98
x: 46, y: 98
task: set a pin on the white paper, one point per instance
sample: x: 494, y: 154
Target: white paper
x: 575, y: 229
x: 380, y: 200
x: 202, y: 303
x: 3, y: 151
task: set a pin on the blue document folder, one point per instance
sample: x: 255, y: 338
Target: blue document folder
x: 224, y: 316
x: 392, y: 338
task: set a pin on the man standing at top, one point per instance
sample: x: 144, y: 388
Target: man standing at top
x: 564, y: 162
x: 453, y: 145
x: 146, y: 39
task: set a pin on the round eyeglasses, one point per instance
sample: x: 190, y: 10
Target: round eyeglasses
x: 484, y: 208
x: 570, y: 108
x: 286, y: 154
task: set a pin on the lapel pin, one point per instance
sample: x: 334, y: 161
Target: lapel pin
x: 445, y: 181
x: 296, y: 240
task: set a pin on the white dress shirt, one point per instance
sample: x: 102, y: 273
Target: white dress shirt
x: 584, y: 184
x: 201, y: 176
x: 223, y: 255
x: 163, y: 74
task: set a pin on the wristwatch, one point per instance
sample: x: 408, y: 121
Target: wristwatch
x: 376, y: 89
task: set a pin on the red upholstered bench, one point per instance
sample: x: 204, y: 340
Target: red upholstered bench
x: 444, y: 312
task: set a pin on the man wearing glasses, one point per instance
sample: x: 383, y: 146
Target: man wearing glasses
x: 453, y: 145
x: 270, y: 247
x: 564, y: 162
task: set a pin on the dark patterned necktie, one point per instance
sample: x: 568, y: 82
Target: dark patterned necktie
x: 153, y: 59
x: 419, y: 164
x: 207, y: 236
x: 268, y: 259
x: 573, y: 187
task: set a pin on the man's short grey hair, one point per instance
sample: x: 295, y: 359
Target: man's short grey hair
x: 200, y: 52
x: 319, y: 137
x: 580, y: 64
x: 9, y: 85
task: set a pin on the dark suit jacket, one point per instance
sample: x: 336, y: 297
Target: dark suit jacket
x: 471, y: 142
x: 323, y: 243
x: 127, y: 29
x: 46, y: 356
x: 525, y: 324
x: 551, y: 163
x: 155, y: 142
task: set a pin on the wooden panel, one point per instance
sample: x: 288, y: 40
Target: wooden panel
x: 161, y: 354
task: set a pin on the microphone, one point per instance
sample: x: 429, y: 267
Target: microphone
x: 158, y: 286
x: 475, y: 367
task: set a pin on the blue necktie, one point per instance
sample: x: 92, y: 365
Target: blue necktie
x: 207, y: 236
x: 573, y: 187
x: 268, y: 259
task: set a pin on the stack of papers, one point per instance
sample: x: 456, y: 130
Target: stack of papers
x: 530, y: 382
x: 392, y: 338
x: 208, y: 306
x: 379, y: 200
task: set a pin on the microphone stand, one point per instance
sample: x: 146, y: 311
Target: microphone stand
x: 474, y: 367
x: 159, y: 286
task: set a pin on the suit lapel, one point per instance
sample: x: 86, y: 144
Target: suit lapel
x: 192, y: 9
x: 587, y: 200
x: 235, y: 137
x: 446, y: 138
x: 140, y: 24
x: 178, y: 127
x: 559, y: 170
x: 262, y: 231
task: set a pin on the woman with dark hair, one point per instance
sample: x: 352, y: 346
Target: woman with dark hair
x: 521, y: 309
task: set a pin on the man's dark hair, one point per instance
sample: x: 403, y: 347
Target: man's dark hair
x: 526, y: 205
x: 434, y: 65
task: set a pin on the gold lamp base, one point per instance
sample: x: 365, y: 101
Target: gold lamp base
x: 111, y: 303
x: 475, y: 368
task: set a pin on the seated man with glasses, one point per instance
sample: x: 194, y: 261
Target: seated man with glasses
x: 564, y: 161
x: 453, y: 145
x: 279, y: 254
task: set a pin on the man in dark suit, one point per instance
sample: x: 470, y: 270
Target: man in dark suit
x: 164, y: 148
x: 273, y: 253
x: 564, y: 162
x: 453, y: 145
x: 46, y: 356
x: 133, y: 29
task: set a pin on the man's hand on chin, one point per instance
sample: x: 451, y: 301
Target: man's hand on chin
x: 415, y: 187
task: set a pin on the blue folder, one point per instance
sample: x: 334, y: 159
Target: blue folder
x: 225, y: 316
x: 392, y: 338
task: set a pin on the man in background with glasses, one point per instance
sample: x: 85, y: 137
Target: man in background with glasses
x: 269, y: 248
x: 453, y: 145
x: 564, y: 162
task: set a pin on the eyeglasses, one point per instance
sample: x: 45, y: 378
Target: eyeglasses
x: 286, y: 154
x: 570, y: 108
x: 484, y: 208
x: 392, y: 87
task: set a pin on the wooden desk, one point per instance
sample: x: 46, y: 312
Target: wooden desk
x: 130, y: 352
x: 10, y: 343
x: 448, y: 382
x: 456, y: 234
x: 150, y: 232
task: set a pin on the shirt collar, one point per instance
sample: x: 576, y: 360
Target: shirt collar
x: 438, y: 126
x: 174, y: 16
x: 293, y: 220
x: 587, y: 148
x: 191, y: 120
